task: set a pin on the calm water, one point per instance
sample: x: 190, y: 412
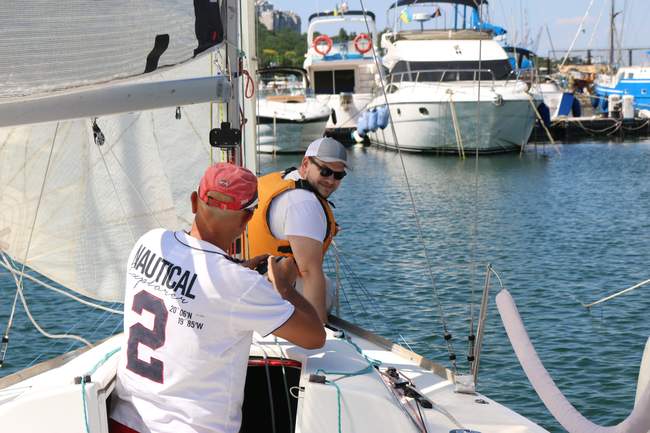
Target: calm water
x: 560, y: 228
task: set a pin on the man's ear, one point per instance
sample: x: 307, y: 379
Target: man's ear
x: 194, y: 199
x: 303, y: 166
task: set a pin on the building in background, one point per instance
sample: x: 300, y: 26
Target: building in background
x: 276, y: 20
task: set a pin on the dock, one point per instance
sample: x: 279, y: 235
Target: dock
x: 569, y: 129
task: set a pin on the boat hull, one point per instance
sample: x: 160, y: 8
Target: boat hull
x: 286, y: 136
x: 494, y: 125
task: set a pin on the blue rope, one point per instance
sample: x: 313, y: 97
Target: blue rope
x: 83, y: 383
x: 372, y: 363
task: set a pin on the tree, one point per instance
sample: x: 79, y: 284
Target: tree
x: 280, y: 48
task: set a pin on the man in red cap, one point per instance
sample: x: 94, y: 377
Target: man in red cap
x: 190, y: 311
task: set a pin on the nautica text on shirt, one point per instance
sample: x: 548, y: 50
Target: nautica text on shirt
x: 163, y: 272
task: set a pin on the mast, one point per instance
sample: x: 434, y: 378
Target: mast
x: 612, y: 24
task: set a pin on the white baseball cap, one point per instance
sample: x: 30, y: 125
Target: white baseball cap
x: 328, y: 149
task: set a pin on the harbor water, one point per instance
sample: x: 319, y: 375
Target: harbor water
x: 562, y: 226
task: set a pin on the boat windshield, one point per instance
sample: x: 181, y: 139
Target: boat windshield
x: 451, y: 71
x: 282, y: 84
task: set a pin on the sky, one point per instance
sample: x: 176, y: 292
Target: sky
x: 562, y: 17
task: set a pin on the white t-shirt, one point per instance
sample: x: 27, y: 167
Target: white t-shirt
x: 189, y: 318
x: 297, y: 213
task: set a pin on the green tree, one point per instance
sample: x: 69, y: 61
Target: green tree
x: 280, y: 48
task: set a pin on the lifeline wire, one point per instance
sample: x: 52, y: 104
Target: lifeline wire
x: 450, y: 348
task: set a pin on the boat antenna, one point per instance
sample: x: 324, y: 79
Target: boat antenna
x: 446, y: 335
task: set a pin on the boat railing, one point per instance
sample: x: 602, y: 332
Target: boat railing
x: 442, y: 75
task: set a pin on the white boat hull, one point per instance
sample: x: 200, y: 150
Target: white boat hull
x: 52, y: 402
x: 289, y: 137
x: 347, y: 109
x: 289, y: 127
x: 498, y: 123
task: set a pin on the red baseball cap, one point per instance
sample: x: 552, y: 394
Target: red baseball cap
x: 232, y: 181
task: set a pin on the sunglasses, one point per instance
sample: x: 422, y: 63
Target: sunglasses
x: 327, y: 172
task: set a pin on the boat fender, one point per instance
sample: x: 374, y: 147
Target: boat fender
x: 544, y: 113
x: 362, y: 123
x: 564, y: 412
x: 576, y: 109
x: 497, y: 100
x: 382, y: 117
x: 328, y: 44
x: 595, y: 100
x: 372, y: 120
x: 333, y: 116
x: 358, y: 40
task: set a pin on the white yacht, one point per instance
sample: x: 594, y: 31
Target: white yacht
x: 450, y: 90
x: 343, y: 74
x: 288, y: 115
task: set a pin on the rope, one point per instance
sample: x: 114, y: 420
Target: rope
x: 83, y: 384
x: 8, y: 266
x: 372, y: 363
x: 575, y: 38
x: 36, y: 325
x: 541, y: 121
x: 19, y: 282
x: 438, y: 302
x: 454, y: 119
x: 286, y: 384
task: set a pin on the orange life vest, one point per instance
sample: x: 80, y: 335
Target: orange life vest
x: 260, y: 238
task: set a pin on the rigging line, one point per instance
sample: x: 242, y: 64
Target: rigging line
x: 355, y: 280
x: 268, y: 382
x: 474, y: 230
x: 286, y: 384
x: 30, y: 277
x: 617, y: 294
x: 19, y: 282
x: 36, y: 325
x: 437, y: 300
x: 363, y: 291
x: 575, y: 38
x: 593, y: 33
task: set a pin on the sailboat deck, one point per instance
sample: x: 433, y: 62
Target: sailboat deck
x: 341, y: 369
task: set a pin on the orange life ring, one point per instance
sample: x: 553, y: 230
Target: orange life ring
x: 359, y: 38
x: 318, y: 40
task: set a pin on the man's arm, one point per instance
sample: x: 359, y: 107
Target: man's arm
x: 303, y: 327
x: 308, y: 253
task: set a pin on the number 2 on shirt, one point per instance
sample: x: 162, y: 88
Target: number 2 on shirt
x: 152, y: 338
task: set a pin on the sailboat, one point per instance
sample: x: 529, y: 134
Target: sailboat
x: 94, y: 161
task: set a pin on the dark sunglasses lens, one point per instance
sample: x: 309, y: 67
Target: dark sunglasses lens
x: 327, y: 172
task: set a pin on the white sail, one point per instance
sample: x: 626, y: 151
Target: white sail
x: 48, y: 45
x: 76, y: 219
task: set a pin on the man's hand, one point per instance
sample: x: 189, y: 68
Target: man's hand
x: 282, y: 274
x: 255, y: 261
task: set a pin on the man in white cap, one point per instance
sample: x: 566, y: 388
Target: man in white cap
x: 295, y: 218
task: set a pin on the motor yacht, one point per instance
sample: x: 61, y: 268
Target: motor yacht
x: 450, y: 89
x: 288, y: 115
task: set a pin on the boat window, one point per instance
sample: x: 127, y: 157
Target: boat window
x: 450, y: 71
x: 334, y: 82
x: 630, y: 75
